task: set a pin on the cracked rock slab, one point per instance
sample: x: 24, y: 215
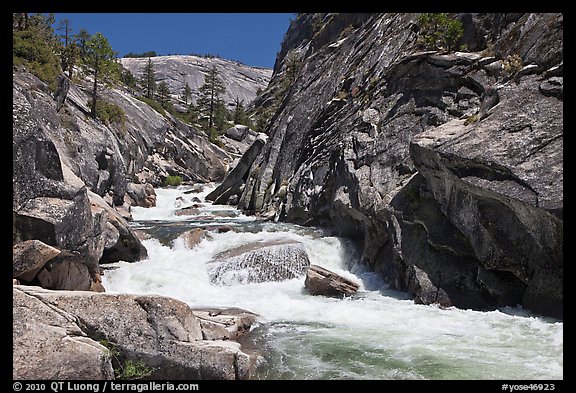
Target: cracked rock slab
x: 162, y: 332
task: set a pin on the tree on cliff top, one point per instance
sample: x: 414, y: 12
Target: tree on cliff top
x: 34, y: 45
x: 149, y: 79
x: 100, y: 57
x: 186, y: 93
x: 210, y: 93
x: 439, y: 31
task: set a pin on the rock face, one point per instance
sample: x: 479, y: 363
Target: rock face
x: 448, y: 166
x: 163, y: 333
x: 241, y: 81
x: 321, y: 281
x: 236, y: 140
x: 235, y: 179
x: 259, y: 262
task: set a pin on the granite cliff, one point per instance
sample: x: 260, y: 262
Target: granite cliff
x: 446, y: 166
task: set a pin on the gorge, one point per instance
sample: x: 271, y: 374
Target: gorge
x: 431, y: 178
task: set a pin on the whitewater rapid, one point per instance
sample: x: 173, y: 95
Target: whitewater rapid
x: 376, y: 334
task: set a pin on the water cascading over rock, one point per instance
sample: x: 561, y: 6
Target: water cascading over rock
x: 259, y: 262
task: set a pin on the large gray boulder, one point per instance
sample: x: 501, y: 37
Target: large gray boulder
x: 120, y: 241
x: 64, y: 224
x: 238, y: 132
x: 321, y: 281
x: 161, y: 332
x: 259, y: 262
x: 29, y: 256
x: 141, y: 194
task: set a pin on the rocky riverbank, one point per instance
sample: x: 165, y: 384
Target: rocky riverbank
x: 75, y: 180
x: 85, y: 335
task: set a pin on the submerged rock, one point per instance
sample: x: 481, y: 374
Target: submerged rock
x: 321, y: 281
x: 193, y: 237
x: 187, y: 211
x: 259, y: 262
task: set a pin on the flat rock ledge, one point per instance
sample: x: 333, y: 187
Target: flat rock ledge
x: 67, y: 335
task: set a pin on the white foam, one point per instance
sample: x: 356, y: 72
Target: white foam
x: 464, y: 343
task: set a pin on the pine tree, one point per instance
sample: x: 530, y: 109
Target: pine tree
x: 19, y: 21
x: 186, y: 93
x: 35, y: 46
x: 70, y: 52
x: 149, y: 79
x: 82, y: 38
x: 261, y: 121
x: 220, y: 115
x: 192, y: 113
x: 240, y: 116
x: 127, y: 78
x: 100, y: 57
x: 163, y: 94
x: 293, y: 65
x: 439, y: 31
x: 210, y: 93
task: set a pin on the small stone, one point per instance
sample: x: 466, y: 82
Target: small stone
x: 187, y: 211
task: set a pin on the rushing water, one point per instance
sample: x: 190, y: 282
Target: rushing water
x: 376, y: 334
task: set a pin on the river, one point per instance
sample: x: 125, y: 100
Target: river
x: 376, y: 334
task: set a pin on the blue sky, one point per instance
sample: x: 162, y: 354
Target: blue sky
x: 253, y: 39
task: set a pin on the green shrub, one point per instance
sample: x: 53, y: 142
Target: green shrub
x: 439, y: 31
x: 133, y: 370
x: 128, y: 369
x: 153, y: 104
x: 173, y: 181
x: 108, y: 112
x: 112, y: 351
x: 213, y: 135
x: 471, y: 119
x: 488, y: 51
x: 30, y: 49
x: 512, y: 64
